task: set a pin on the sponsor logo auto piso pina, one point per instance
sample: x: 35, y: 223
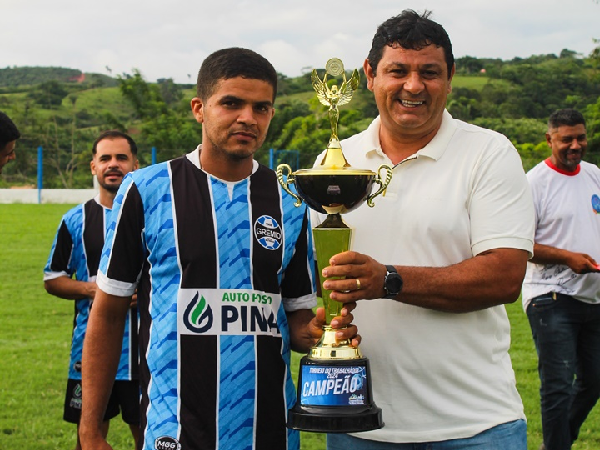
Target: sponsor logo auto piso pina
x: 228, y: 311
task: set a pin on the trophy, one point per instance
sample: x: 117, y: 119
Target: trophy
x: 334, y: 385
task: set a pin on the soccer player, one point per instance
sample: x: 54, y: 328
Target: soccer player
x: 76, y: 251
x: 223, y: 265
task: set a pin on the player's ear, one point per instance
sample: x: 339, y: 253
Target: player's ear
x: 197, y: 109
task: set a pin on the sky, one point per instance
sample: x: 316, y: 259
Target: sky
x: 170, y: 38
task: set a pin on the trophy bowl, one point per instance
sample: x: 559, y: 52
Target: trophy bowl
x: 331, y: 192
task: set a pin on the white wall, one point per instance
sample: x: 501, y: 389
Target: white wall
x: 72, y: 196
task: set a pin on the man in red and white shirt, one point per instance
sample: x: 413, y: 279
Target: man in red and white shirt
x: 561, y: 290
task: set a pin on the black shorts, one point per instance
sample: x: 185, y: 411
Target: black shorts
x: 124, y: 399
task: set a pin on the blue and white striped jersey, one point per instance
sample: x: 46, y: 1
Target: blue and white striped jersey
x: 76, y: 252
x: 216, y: 265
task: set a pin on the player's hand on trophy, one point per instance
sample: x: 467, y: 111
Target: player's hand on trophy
x: 357, y: 276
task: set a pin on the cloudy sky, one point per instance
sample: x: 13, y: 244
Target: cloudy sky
x: 170, y: 38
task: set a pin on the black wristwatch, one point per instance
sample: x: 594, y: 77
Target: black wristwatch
x: 392, y: 283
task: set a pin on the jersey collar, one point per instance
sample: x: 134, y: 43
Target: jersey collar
x: 550, y: 164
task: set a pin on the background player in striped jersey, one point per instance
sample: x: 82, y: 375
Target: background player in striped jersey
x: 223, y: 265
x: 76, y: 251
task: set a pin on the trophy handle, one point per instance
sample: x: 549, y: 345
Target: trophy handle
x: 382, y: 184
x: 290, y: 180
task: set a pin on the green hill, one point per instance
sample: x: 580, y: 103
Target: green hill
x: 15, y: 77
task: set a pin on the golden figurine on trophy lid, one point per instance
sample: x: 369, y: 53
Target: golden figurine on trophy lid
x: 334, y: 386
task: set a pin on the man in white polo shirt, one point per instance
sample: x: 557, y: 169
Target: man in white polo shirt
x: 437, y: 258
x: 561, y: 292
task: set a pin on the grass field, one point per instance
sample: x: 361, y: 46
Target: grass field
x: 35, y: 334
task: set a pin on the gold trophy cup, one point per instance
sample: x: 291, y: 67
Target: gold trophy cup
x: 334, y: 385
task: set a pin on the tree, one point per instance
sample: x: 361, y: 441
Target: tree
x: 592, y: 115
x: 165, y: 118
x: 49, y: 94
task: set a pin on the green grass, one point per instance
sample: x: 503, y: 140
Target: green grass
x: 35, y: 332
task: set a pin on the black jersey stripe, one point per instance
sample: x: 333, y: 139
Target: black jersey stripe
x: 197, y: 249
x: 195, y: 227
x: 129, y: 253
x: 93, y: 234
x: 198, y: 392
x: 62, y: 253
x: 270, y: 371
x: 265, y: 200
x: 299, y: 281
x: 271, y: 431
x: 143, y: 291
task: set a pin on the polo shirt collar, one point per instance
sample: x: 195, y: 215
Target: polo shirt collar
x: 434, y: 150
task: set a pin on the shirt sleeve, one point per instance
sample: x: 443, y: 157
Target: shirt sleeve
x: 501, y: 205
x: 124, y: 251
x: 59, y: 262
x: 298, y: 287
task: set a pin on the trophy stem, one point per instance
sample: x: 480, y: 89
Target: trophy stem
x: 333, y: 236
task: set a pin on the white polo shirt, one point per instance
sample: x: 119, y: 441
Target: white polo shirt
x: 437, y: 375
x: 567, y: 210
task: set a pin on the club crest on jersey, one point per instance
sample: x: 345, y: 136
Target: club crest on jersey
x: 268, y: 232
x: 198, y: 316
x: 596, y: 203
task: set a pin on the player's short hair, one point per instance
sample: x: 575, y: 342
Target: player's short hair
x: 231, y: 63
x: 115, y: 134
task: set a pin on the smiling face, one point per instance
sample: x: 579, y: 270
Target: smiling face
x: 111, y: 162
x: 568, y: 144
x: 235, y: 120
x: 410, y: 88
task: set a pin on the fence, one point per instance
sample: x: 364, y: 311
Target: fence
x: 74, y: 196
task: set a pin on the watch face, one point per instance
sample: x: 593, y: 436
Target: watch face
x: 393, y: 283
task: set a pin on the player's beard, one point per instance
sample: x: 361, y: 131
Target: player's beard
x: 111, y: 187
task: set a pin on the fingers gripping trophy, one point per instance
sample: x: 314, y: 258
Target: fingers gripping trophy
x: 334, y: 386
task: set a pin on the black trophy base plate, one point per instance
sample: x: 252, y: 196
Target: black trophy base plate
x: 335, y: 419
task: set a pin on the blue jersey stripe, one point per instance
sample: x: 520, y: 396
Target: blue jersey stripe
x: 236, y: 407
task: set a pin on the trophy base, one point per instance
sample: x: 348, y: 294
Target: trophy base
x: 334, y: 419
x: 334, y: 396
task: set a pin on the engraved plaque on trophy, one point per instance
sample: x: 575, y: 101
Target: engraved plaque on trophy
x: 334, y: 384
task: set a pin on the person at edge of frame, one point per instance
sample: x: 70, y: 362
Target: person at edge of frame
x: 561, y: 290
x: 436, y: 259
x: 222, y: 262
x: 8, y: 140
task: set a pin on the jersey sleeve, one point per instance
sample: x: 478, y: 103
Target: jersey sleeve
x: 501, y: 205
x: 534, y: 184
x: 60, y: 261
x: 124, y: 252
x: 298, y: 288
